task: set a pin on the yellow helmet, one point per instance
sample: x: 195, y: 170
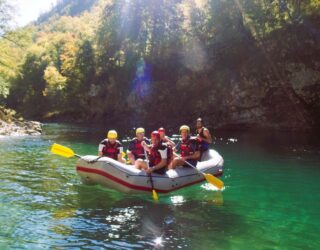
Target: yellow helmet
x: 184, y: 127
x: 112, y: 134
x: 139, y: 130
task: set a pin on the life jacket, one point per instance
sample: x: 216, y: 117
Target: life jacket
x: 203, y: 144
x: 136, y: 148
x: 188, y: 146
x: 111, y: 150
x: 154, y: 155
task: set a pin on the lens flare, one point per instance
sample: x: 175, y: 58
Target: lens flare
x: 142, y: 80
x: 158, y: 242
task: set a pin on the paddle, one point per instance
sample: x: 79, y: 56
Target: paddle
x: 209, y: 177
x: 63, y: 151
x: 154, y: 193
x: 68, y: 152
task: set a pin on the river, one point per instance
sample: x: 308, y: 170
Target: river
x: 271, y: 199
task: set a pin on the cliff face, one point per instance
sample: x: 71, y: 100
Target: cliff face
x: 271, y: 83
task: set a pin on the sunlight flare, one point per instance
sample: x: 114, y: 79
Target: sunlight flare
x: 158, y: 242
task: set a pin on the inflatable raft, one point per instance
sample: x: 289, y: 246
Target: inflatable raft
x: 126, y: 178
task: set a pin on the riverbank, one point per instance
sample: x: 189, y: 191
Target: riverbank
x: 11, y: 125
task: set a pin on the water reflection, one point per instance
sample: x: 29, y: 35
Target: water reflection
x: 131, y: 223
x: 44, y: 204
x: 60, y: 212
x: 177, y: 200
x: 158, y: 242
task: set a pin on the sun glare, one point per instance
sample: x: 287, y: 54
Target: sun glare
x: 200, y: 3
x: 158, y: 242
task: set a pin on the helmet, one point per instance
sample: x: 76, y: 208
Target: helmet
x: 155, y: 134
x: 112, y: 134
x: 139, y: 130
x: 185, y: 127
x: 161, y: 130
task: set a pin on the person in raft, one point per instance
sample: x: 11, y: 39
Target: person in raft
x: 189, y: 150
x: 135, y: 150
x: 157, y: 156
x: 111, y: 147
x: 203, y: 135
x: 170, y: 144
x: 165, y: 138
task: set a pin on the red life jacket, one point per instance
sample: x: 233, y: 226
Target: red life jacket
x: 155, y: 156
x: 136, y: 148
x: 111, y: 150
x: 188, y: 146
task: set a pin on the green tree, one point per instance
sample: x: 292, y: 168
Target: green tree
x: 28, y: 95
x: 78, y: 88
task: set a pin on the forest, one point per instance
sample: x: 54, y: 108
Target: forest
x: 236, y: 63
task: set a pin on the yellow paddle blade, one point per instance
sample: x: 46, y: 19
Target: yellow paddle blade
x: 62, y: 150
x: 155, y: 195
x: 214, y: 181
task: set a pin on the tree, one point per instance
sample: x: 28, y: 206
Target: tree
x: 79, y: 85
x: 5, y: 16
x: 28, y: 90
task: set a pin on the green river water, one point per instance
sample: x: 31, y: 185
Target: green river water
x: 271, y: 199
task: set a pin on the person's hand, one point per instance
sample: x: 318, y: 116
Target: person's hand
x: 185, y: 158
x: 199, y: 138
x: 149, y: 170
x: 143, y: 144
x: 94, y: 160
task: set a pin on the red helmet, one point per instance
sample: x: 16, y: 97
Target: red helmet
x: 161, y: 130
x: 155, y: 134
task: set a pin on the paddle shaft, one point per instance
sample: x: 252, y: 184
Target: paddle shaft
x: 209, y: 177
x: 147, y: 160
x: 151, y: 181
x: 187, y: 162
x: 146, y: 156
x: 154, y: 193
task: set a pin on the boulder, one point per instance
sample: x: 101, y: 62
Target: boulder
x: 11, y: 126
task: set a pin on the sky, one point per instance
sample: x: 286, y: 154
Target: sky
x: 29, y: 10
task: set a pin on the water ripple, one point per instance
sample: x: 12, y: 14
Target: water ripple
x: 43, y: 204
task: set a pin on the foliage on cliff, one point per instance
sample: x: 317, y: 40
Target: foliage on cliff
x: 235, y: 62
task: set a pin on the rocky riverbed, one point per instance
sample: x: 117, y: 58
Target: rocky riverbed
x: 20, y: 128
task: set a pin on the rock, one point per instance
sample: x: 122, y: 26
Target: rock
x: 10, y: 126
